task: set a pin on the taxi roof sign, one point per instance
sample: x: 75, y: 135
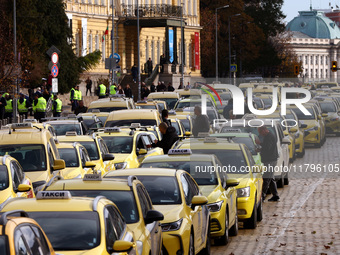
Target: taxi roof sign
x: 30, y: 121
x: 232, y: 130
x: 180, y: 152
x: 135, y: 125
x: 53, y: 195
x: 112, y: 130
x: 71, y: 133
x: 21, y: 125
x: 92, y: 177
x: 95, y: 110
x: 203, y: 134
x: 210, y: 139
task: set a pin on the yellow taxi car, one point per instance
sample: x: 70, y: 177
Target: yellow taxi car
x: 130, y: 147
x: 186, y: 217
x: 330, y: 111
x: 34, y: 149
x: 96, y: 149
x: 112, y: 103
x: 169, y: 97
x: 149, y: 104
x: 215, y: 185
x: 22, y: 235
x: 43, y: 125
x: 185, y: 93
x: 239, y: 164
x: 180, y: 130
x: 77, y: 225
x: 102, y: 116
x: 127, y: 117
x: 132, y: 200
x: 185, y: 119
x: 162, y: 105
x: 76, y: 158
x: 13, y: 182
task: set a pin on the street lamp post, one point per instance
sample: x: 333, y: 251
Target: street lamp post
x: 230, y: 44
x: 182, y: 45
x: 138, y: 46
x: 113, y: 43
x: 216, y: 58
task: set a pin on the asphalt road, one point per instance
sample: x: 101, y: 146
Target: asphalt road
x: 307, y: 218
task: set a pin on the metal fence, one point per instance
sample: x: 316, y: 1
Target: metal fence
x: 152, y: 10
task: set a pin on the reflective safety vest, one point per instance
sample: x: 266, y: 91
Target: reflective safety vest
x: 41, y: 105
x: 74, y: 95
x: 102, y: 90
x: 113, y: 90
x: 22, y: 106
x: 59, y: 105
x: 9, y: 106
x: 80, y: 96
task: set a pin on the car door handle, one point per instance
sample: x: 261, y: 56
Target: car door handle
x: 156, y: 231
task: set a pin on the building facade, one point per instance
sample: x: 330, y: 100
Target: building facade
x: 160, y: 32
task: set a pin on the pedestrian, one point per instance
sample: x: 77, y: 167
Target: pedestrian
x: 39, y: 107
x: 145, y: 91
x: 81, y: 108
x: 23, y: 105
x: 2, y: 105
x: 227, y: 109
x: 120, y: 90
x: 149, y: 66
x: 161, y: 86
x: 162, y: 62
x: 134, y: 72
x: 180, y: 85
x: 46, y: 94
x: 188, y: 86
x: 169, y: 137
x: 269, y: 155
x: 201, y: 122
x: 74, y: 97
x: 165, y: 117
x: 128, y: 91
x: 152, y: 88
x: 57, y: 106
x: 102, y: 91
x: 8, y: 107
x: 170, y: 87
x: 88, y: 85
x: 113, y: 89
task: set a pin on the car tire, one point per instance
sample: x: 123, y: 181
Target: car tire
x: 318, y: 145
x: 280, y: 182
x: 191, y: 246
x: 234, y: 229
x: 286, y: 179
x: 301, y: 154
x: 260, y: 211
x: 223, y: 240
x: 207, y: 248
x: 251, y: 223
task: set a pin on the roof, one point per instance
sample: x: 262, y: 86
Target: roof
x: 65, y: 146
x: 169, y: 158
x: 62, y: 122
x: 24, y: 136
x: 106, y: 102
x: 166, y: 94
x: 75, y: 138
x: 198, y: 143
x: 144, y: 171
x: 314, y: 24
x: 133, y: 114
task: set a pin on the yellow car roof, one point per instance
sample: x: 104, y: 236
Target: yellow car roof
x: 144, y: 171
x: 98, y: 114
x: 107, y: 102
x: 25, y: 136
x: 200, y: 143
x: 164, y: 94
x: 80, y: 184
x: 75, y: 138
x: 189, y: 158
x: 64, y: 146
x: 133, y: 114
x: 122, y: 132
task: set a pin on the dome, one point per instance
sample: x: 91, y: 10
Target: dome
x: 314, y: 24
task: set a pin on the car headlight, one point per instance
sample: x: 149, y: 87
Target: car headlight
x: 215, y: 207
x: 312, y: 129
x: 172, y: 226
x: 121, y: 165
x: 243, y: 192
x: 139, y: 247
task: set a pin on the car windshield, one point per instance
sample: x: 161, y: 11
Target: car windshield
x: 3, y: 245
x: 107, y: 109
x: 161, y: 106
x: 169, y: 101
x: 302, y: 116
x: 146, y: 106
x: 247, y: 141
x: 91, y: 123
x: 232, y: 160
x: 267, y: 101
x: 69, y: 156
x: 258, y: 103
x: 125, y: 201
x: 4, y: 182
x: 127, y: 123
x: 187, y: 104
x: 248, y: 129
x: 176, y: 126
x: 163, y: 190
x: 102, y: 118
x: 92, y: 149
x: 186, y: 124
x: 119, y: 144
x: 70, y: 230
x: 31, y: 157
x: 61, y: 129
x: 199, y: 170
x: 327, y: 107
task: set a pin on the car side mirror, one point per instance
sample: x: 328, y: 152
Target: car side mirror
x: 231, y: 183
x: 198, y: 200
x: 108, y: 157
x: 142, y: 152
x: 293, y: 129
x: 285, y: 140
x: 23, y: 188
x: 319, y: 117
x: 59, y: 164
x: 152, y: 216
x: 122, y: 246
x: 187, y: 133
x: 90, y: 164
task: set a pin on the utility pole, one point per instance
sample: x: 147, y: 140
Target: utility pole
x: 182, y: 44
x: 138, y: 46
x: 113, y: 43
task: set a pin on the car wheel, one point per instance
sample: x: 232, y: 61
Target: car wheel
x: 191, y: 246
x: 280, y: 182
x: 301, y: 154
x: 286, y: 180
x: 252, y: 221
x: 234, y: 229
x: 206, y: 250
x: 260, y: 211
x: 318, y: 145
x: 223, y: 240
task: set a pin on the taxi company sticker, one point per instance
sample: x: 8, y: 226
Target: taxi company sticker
x: 53, y: 195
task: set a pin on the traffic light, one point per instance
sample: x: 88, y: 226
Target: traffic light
x: 334, y: 66
x: 296, y: 69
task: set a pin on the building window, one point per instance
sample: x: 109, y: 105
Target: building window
x: 306, y: 60
x: 158, y: 52
x: 103, y: 51
x: 146, y: 50
x: 316, y: 60
x: 90, y: 44
x: 311, y: 60
x: 326, y: 60
x: 326, y: 74
x: 103, y: 2
x: 77, y: 44
x: 153, y: 52
x: 96, y: 42
x: 321, y: 60
x: 195, y: 7
x: 321, y: 73
x: 316, y: 73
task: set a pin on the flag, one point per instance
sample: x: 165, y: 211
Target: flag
x: 107, y: 30
x: 103, y: 38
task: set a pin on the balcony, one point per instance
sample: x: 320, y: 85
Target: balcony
x: 151, y: 11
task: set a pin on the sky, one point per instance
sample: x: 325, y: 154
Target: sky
x: 291, y: 7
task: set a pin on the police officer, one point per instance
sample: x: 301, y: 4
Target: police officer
x: 23, y: 105
x: 39, y: 107
x: 102, y: 91
x: 57, y: 106
x: 8, y: 107
x: 113, y: 89
x: 74, y: 97
x: 2, y: 105
x: 79, y: 94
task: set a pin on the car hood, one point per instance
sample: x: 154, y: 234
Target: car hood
x: 208, y: 191
x: 120, y: 157
x: 37, y: 176
x: 243, y: 179
x: 171, y: 212
x: 4, y: 195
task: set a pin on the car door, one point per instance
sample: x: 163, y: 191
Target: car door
x: 153, y: 151
x: 257, y: 177
x: 142, y: 143
x: 285, y: 150
x: 18, y: 177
